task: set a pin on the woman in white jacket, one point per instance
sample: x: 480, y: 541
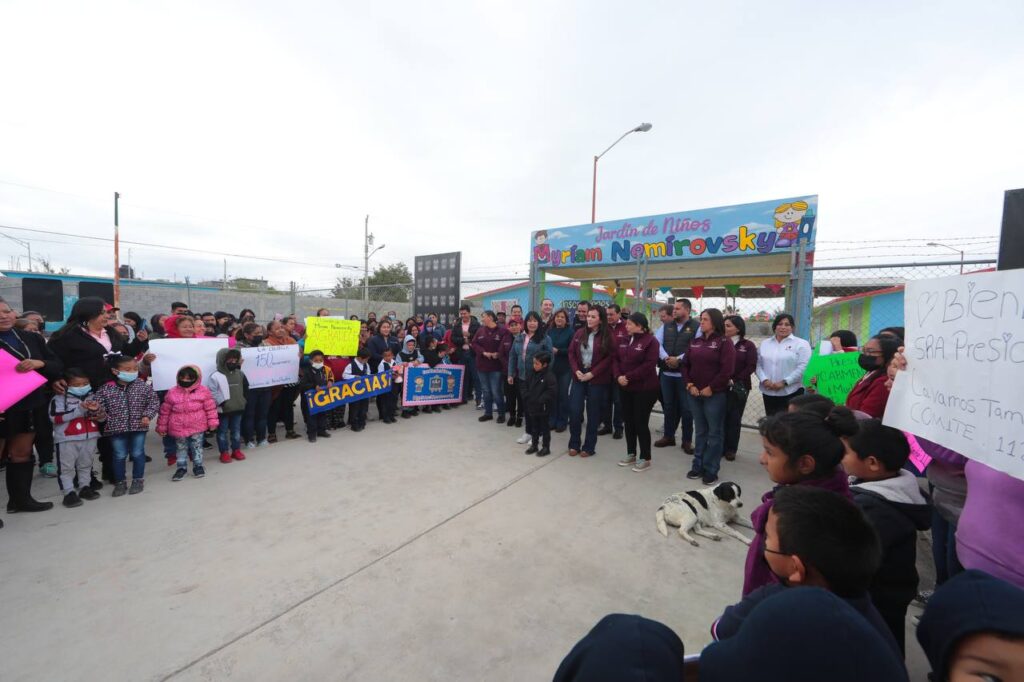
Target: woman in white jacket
x: 781, y: 361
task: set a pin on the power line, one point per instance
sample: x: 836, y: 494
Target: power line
x: 217, y: 254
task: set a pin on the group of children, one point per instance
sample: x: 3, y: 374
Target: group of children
x: 126, y: 407
x: 842, y: 518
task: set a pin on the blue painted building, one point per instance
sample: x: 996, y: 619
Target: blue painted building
x: 564, y: 295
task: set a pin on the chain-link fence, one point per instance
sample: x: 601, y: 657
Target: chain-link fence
x: 357, y: 300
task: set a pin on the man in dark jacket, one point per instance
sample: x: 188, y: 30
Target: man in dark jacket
x: 462, y: 333
x: 541, y: 392
x: 891, y: 499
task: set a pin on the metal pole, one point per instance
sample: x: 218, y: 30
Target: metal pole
x: 117, y: 253
x: 29, y: 245
x: 188, y: 292
x: 366, y: 267
x: 224, y: 282
x: 291, y: 296
x: 961, y: 262
x: 593, y: 195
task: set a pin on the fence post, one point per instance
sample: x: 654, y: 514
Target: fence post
x: 534, y: 302
x: 803, y: 298
x: 291, y: 297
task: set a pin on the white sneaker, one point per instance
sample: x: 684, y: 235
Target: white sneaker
x: 250, y: 444
x: 642, y: 465
x: 523, y: 439
x: 263, y: 443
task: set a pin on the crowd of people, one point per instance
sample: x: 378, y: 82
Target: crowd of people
x: 842, y: 516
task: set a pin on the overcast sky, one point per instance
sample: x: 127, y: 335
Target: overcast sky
x: 272, y: 128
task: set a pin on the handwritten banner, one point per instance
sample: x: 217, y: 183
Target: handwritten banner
x: 15, y: 385
x: 965, y: 354
x: 433, y: 385
x: 173, y: 354
x: 270, y: 365
x: 332, y: 335
x: 833, y: 375
x: 344, y: 392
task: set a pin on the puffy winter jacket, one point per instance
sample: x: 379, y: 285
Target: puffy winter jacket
x: 187, y: 411
x: 126, y: 405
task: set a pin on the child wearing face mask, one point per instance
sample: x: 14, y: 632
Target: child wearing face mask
x: 800, y: 448
x: 75, y: 434
x: 229, y: 386
x: 130, y: 405
x: 316, y: 375
x: 188, y: 411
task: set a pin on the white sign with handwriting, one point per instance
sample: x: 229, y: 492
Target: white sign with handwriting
x: 965, y: 367
x: 267, y: 366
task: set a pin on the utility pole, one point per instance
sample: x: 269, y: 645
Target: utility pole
x: 224, y: 282
x: 117, y: 255
x: 367, y: 240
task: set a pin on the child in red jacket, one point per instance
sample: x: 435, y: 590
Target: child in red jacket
x: 188, y: 411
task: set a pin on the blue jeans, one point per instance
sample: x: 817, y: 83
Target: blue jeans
x: 493, y: 393
x: 709, y: 425
x: 593, y: 395
x: 560, y: 414
x: 257, y: 407
x: 230, y: 425
x: 675, y: 401
x: 130, y: 444
x: 471, y: 378
x: 193, y: 444
x: 947, y: 564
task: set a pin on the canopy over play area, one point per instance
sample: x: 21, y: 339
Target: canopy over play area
x: 764, y: 246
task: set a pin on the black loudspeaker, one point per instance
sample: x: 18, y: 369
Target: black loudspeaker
x: 45, y: 296
x: 100, y: 289
x: 1011, y: 243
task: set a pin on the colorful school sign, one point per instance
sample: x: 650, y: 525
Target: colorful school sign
x: 757, y: 229
x: 433, y: 385
x: 332, y: 335
x: 833, y: 375
x: 344, y: 392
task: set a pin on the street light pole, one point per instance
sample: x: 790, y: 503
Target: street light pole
x: 954, y: 250
x: 367, y: 238
x: 642, y: 128
x: 117, y: 254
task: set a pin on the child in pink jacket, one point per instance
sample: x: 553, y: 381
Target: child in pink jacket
x: 188, y: 411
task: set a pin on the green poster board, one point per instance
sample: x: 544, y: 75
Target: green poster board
x: 833, y: 375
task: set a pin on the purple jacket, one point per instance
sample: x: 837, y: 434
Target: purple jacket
x: 489, y: 341
x: 601, y: 363
x: 637, y: 360
x: 756, y: 572
x: 984, y: 539
x: 710, y: 361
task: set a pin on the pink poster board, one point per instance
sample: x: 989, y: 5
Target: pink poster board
x: 918, y: 457
x: 15, y: 385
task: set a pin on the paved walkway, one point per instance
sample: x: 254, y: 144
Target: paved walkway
x: 433, y: 549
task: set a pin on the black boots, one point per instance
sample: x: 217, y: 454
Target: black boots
x: 19, y: 489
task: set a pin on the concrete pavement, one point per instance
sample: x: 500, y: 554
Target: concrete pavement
x: 432, y: 549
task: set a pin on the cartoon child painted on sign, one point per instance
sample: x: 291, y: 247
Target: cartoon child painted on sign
x: 541, y: 250
x: 787, y: 222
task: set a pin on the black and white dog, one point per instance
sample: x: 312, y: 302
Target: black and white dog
x: 707, y: 508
